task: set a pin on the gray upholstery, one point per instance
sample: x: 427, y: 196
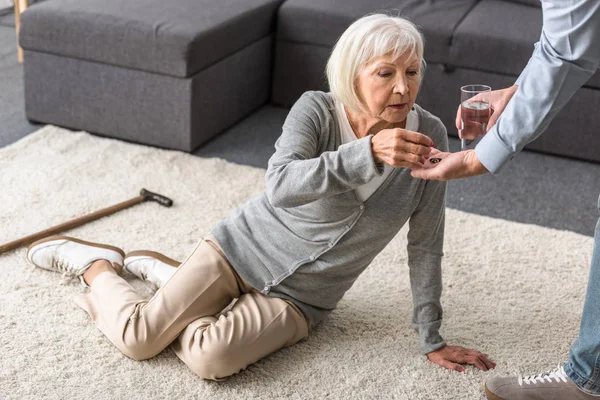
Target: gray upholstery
x: 485, y: 43
x: 172, y: 38
x: 308, y: 29
x: 298, y: 66
x: 532, y: 3
x: 502, y: 44
x: 168, y: 74
x: 321, y: 22
x: 144, y: 107
x: 175, y: 74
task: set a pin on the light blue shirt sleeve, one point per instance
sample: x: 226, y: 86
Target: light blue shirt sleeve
x: 566, y: 56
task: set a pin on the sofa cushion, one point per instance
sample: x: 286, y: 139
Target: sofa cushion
x: 533, y: 3
x: 499, y: 36
x: 321, y: 22
x: 171, y: 38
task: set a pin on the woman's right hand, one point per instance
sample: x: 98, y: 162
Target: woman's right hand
x: 401, y: 148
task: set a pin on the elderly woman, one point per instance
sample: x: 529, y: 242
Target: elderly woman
x: 339, y: 188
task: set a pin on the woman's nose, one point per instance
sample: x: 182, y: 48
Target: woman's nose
x: 401, y: 86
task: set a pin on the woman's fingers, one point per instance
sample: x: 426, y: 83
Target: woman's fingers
x: 413, y: 142
x: 476, y: 361
x: 452, y: 356
x: 484, y: 357
x: 486, y: 360
x: 415, y: 137
x: 476, y: 358
x: 450, y: 365
x: 412, y: 148
x: 438, y: 153
x: 401, y: 148
x: 406, y: 159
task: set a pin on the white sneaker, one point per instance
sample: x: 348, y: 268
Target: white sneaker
x: 554, y: 384
x: 150, y: 266
x: 70, y: 256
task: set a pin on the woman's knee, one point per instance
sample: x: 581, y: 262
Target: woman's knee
x: 139, y: 350
x: 217, y: 363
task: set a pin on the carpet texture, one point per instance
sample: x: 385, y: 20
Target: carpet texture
x: 511, y: 290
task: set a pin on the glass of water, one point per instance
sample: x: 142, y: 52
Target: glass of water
x: 474, y: 112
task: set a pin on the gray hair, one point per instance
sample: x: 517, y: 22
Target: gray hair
x: 368, y: 38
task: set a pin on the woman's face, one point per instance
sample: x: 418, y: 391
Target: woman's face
x: 388, y: 88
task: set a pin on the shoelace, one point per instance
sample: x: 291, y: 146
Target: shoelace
x: 558, y: 374
x: 64, y: 266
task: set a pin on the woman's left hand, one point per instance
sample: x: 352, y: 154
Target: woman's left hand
x: 452, y: 356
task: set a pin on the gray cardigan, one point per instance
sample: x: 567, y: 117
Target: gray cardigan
x: 308, y: 237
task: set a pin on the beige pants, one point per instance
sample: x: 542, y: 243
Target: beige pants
x: 183, y: 312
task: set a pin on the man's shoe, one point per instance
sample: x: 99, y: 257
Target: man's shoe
x: 150, y: 266
x: 70, y: 256
x: 551, y: 385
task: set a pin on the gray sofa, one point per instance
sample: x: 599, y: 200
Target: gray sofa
x: 175, y: 74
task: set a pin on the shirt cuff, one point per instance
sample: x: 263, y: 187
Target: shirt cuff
x: 493, y: 153
x: 379, y: 167
x: 429, y: 336
x: 358, y: 160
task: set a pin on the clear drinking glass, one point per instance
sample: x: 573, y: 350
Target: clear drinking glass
x: 474, y: 110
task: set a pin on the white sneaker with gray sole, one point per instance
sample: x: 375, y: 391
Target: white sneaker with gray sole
x: 70, y: 256
x: 551, y: 385
x: 150, y: 266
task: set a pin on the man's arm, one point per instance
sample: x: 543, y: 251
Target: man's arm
x: 566, y: 56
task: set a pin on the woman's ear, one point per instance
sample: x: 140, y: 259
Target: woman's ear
x: 421, y: 77
x: 359, y: 96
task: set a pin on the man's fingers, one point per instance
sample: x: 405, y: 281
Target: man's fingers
x: 493, y: 119
x: 458, y: 118
x: 471, y: 130
x: 430, y: 174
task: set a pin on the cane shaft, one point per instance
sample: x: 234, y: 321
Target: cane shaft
x: 70, y: 224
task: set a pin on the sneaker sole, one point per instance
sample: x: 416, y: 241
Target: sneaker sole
x: 490, y: 395
x: 118, y: 268
x: 71, y: 239
x: 153, y: 254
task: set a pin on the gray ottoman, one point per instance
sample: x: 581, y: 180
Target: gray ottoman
x: 171, y: 74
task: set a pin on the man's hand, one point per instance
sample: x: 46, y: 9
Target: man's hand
x: 498, y: 100
x: 400, y: 148
x: 452, y: 356
x: 452, y: 166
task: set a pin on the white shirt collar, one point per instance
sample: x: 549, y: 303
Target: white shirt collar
x: 347, y: 133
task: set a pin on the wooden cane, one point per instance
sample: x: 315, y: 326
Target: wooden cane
x: 145, y: 195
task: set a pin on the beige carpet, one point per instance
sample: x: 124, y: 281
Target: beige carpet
x: 511, y: 290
